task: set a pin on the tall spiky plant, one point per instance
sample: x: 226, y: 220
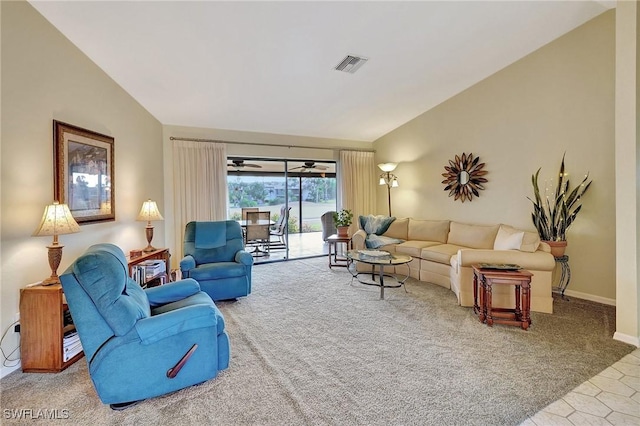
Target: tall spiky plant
x: 553, y: 215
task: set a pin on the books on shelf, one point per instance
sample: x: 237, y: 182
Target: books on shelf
x: 149, y: 270
x: 71, y: 345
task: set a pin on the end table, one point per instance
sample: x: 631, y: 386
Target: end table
x: 333, y: 241
x: 483, y: 281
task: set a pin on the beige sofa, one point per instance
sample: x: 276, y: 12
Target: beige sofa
x: 443, y: 252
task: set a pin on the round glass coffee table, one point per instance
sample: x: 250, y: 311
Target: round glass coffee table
x: 380, y: 259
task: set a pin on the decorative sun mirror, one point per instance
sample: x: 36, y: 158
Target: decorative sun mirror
x: 463, y: 177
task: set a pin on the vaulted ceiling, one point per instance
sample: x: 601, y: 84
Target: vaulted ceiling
x: 269, y: 66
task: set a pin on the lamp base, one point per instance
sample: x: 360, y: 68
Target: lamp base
x: 149, y: 235
x: 51, y: 280
x: 55, y: 256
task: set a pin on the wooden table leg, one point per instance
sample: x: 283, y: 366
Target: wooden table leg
x: 526, y: 305
x: 488, y: 300
x: 476, y: 308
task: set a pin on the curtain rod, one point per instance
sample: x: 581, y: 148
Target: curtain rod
x: 271, y: 144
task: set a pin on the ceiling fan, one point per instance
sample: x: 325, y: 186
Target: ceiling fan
x: 309, y: 165
x: 240, y: 164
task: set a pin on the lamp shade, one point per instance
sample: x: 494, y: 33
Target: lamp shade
x: 387, y: 167
x: 56, y: 220
x: 149, y: 211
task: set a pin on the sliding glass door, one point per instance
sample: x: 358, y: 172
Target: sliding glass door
x: 307, y: 189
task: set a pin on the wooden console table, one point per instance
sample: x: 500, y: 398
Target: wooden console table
x: 483, y: 281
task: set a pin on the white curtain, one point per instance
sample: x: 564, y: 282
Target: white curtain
x: 200, y: 185
x: 358, y: 182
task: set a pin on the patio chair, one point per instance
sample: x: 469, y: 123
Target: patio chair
x: 279, y: 230
x: 328, y: 225
x: 257, y: 233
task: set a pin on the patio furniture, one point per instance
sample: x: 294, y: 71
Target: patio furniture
x: 279, y: 229
x: 257, y: 232
x: 328, y: 225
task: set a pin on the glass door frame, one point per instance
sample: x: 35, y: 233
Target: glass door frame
x: 287, y: 174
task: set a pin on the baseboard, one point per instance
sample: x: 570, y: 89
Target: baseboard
x: 632, y: 340
x: 4, y: 371
x: 590, y: 297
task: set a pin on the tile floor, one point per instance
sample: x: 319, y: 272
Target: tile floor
x: 610, y: 398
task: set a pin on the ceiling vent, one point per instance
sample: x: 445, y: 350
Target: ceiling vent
x: 351, y: 64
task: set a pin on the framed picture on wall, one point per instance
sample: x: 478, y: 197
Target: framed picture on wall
x: 84, y: 172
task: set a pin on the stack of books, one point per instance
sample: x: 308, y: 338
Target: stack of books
x: 71, y: 345
x: 147, y: 270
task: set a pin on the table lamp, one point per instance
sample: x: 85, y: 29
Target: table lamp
x: 149, y: 212
x: 56, y: 220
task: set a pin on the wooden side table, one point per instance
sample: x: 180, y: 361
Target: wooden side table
x: 333, y: 241
x: 42, y: 313
x: 483, y: 281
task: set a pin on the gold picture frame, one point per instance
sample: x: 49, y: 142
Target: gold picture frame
x: 84, y: 172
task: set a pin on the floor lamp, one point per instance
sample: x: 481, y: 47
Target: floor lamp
x: 389, y: 179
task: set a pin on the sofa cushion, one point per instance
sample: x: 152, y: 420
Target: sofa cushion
x: 506, y: 240
x: 472, y: 236
x: 440, y: 253
x: 428, y: 230
x: 414, y: 248
x: 398, y: 229
x: 530, y: 240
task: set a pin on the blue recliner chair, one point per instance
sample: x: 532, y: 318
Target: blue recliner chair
x: 141, y: 343
x: 214, y: 256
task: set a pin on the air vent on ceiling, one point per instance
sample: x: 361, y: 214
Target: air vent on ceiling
x: 351, y: 64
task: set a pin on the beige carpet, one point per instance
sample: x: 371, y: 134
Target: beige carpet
x: 309, y: 347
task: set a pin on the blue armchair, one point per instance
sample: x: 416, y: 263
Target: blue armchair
x: 141, y: 343
x: 214, y: 256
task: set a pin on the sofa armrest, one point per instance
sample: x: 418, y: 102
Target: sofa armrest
x: 186, y: 264
x: 174, y: 322
x: 357, y: 241
x: 244, y: 257
x: 172, y: 292
x: 538, y: 261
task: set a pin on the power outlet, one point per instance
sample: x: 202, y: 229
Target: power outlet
x: 16, y: 319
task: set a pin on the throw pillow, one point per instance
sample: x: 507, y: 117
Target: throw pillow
x: 507, y: 240
x: 375, y: 224
x: 530, y: 241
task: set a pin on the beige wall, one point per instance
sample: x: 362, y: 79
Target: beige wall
x: 294, y: 149
x: 627, y: 172
x: 45, y: 77
x: 559, y: 98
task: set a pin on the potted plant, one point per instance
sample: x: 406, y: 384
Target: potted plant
x: 343, y: 220
x: 553, y: 214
